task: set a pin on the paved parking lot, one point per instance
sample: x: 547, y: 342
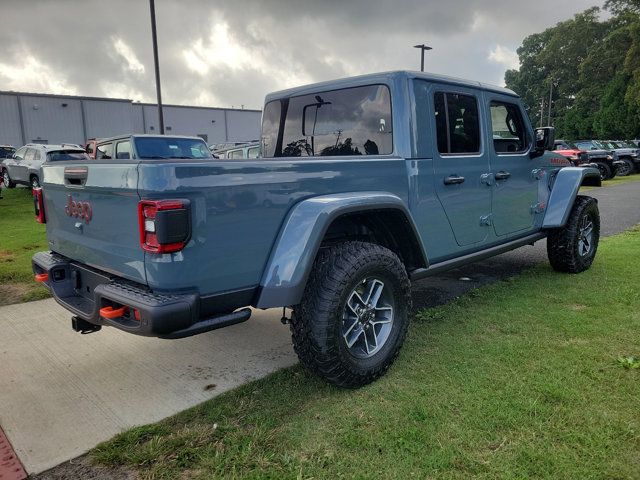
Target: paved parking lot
x: 61, y: 393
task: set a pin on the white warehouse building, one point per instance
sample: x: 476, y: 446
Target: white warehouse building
x: 43, y: 118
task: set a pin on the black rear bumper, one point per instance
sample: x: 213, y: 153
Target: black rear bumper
x: 86, y: 291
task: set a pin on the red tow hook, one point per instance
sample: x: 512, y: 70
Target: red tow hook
x: 109, y: 312
x: 41, y: 277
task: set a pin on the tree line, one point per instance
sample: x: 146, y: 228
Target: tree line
x: 589, y: 67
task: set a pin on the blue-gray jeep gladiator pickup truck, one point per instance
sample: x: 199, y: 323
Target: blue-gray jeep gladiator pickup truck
x: 364, y: 185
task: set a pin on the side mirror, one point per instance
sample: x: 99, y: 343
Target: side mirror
x: 545, y: 139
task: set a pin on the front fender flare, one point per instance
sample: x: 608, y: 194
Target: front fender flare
x: 285, y: 276
x: 563, y: 194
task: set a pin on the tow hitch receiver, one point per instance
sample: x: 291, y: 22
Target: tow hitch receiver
x: 84, y: 327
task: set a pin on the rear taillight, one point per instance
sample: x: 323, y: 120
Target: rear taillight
x: 165, y: 225
x: 38, y: 204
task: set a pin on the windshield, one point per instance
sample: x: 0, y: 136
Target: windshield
x: 587, y: 146
x: 62, y: 155
x: 7, y: 152
x: 167, y: 147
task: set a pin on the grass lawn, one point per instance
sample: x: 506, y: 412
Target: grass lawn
x: 620, y: 180
x: 521, y: 379
x: 20, y: 237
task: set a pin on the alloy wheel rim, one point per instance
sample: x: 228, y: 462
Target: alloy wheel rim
x: 5, y: 175
x: 367, y: 318
x: 585, y: 236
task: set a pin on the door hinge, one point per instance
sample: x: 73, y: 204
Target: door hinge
x: 486, y: 220
x: 538, y: 208
x: 538, y: 173
x: 487, y: 179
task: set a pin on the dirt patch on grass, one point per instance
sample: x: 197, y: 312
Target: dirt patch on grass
x: 6, y: 256
x: 82, y: 467
x: 20, y: 292
x: 13, y: 292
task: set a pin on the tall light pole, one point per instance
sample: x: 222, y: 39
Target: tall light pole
x: 422, y: 48
x: 152, y: 7
x: 550, y: 101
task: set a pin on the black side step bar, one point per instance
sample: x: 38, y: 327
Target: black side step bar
x: 474, y: 257
x: 210, y: 324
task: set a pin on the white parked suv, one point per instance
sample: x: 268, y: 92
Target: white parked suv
x: 23, y: 167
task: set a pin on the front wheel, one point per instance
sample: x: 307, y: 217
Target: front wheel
x: 354, y: 314
x: 605, y: 171
x: 573, y: 247
x: 626, y: 168
x: 7, y: 179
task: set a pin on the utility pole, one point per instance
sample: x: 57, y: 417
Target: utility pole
x: 541, y: 111
x: 154, y: 37
x: 422, y: 48
x: 550, y: 100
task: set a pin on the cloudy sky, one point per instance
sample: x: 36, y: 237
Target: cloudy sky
x: 224, y: 53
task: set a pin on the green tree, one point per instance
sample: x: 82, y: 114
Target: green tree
x: 595, y: 69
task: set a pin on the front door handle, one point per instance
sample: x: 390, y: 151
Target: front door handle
x: 453, y: 180
x: 502, y: 175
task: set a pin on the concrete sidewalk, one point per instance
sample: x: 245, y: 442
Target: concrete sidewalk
x: 62, y: 393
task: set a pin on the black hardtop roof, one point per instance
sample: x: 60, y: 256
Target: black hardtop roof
x: 387, y: 78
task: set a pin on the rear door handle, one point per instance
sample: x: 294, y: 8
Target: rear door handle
x: 453, y: 180
x: 502, y: 175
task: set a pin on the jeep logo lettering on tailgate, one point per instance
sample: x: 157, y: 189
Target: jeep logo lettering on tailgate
x: 78, y: 209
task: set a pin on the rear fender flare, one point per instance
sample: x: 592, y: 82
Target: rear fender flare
x: 285, y: 276
x: 563, y: 194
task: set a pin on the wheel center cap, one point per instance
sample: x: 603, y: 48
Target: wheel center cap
x: 367, y: 315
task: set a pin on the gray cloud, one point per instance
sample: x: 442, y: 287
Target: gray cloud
x: 275, y: 44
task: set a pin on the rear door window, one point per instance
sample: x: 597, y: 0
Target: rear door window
x: 253, y: 152
x: 123, y: 150
x: 457, y: 123
x: 235, y: 154
x: 350, y: 121
x: 105, y: 151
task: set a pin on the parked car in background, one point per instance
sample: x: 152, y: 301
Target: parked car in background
x: 626, y: 153
x: 574, y: 154
x: 24, y: 165
x: 597, y: 153
x: 250, y: 150
x: 7, y: 151
x: 125, y: 147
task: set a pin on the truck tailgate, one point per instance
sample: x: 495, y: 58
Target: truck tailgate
x: 91, y: 211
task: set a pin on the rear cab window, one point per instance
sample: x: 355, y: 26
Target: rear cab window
x: 345, y: 122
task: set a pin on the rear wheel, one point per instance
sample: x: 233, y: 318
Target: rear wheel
x: 7, y: 179
x: 626, y: 168
x: 353, y: 318
x: 35, y: 181
x: 572, y: 248
x: 605, y: 170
